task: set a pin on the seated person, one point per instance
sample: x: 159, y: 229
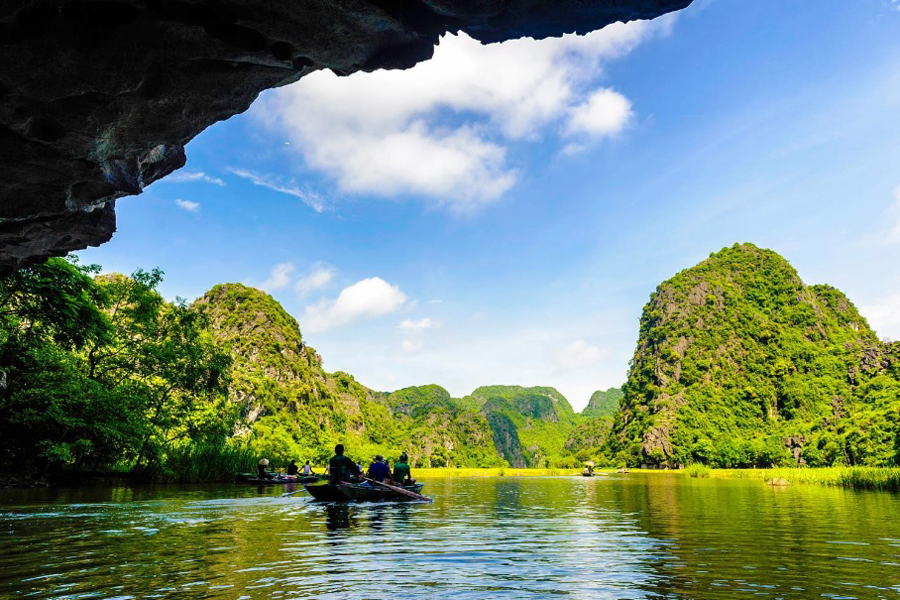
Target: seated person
x: 340, y: 468
x: 378, y: 470
x: 307, y: 470
x: 293, y: 469
x: 402, y: 474
x: 261, y: 472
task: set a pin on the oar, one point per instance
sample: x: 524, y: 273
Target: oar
x: 286, y: 494
x: 401, y: 490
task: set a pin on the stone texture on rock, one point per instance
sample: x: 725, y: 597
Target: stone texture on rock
x: 99, y: 97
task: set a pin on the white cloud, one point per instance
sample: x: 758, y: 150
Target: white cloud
x: 279, y: 278
x: 605, y: 113
x: 415, y: 326
x: 286, y: 186
x: 413, y: 334
x: 441, y: 129
x: 578, y: 355
x: 316, y: 279
x: 366, y: 299
x: 188, y: 205
x: 190, y: 176
x: 884, y: 315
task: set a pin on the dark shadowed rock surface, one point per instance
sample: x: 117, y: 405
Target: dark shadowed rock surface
x: 99, y: 97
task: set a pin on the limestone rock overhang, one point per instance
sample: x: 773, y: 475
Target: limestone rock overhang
x: 99, y: 97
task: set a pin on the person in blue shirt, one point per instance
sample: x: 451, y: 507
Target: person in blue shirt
x: 378, y: 470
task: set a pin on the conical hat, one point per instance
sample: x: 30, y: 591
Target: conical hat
x: 264, y: 462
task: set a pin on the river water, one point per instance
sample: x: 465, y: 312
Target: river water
x: 612, y: 536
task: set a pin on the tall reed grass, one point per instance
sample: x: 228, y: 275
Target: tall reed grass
x: 697, y: 470
x: 205, y: 462
x: 870, y: 478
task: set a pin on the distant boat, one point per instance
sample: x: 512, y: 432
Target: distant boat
x: 276, y: 479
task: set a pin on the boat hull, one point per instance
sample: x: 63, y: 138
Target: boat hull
x: 359, y: 493
x: 326, y: 492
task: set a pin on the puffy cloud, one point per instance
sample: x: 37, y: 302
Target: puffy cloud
x: 190, y: 176
x: 605, y: 113
x: 279, y: 278
x: 578, y: 355
x: 441, y: 129
x: 286, y: 186
x: 188, y: 205
x: 366, y: 299
x: 316, y: 279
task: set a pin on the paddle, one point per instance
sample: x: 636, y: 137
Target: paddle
x: 286, y: 494
x: 400, y: 490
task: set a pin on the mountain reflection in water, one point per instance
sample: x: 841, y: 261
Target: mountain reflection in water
x: 635, y: 536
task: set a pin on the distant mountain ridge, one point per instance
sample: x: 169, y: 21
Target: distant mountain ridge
x: 292, y: 408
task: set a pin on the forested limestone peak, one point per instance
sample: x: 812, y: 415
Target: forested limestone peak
x: 603, y: 403
x: 739, y: 363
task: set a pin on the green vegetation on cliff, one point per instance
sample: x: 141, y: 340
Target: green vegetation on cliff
x: 292, y: 408
x: 530, y: 425
x: 603, y: 403
x: 739, y: 364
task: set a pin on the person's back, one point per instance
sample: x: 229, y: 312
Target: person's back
x: 307, y: 470
x: 340, y: 467
x: 293, y: 469
x: 401, y: 470
x: 378, y: 470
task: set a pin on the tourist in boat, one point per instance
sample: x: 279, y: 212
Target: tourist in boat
x: 402, y: 474
x: 261, y: 472
x: 379, y: 470
x: 307, y: 470
x: 340, y: 468
x: 293, y: 469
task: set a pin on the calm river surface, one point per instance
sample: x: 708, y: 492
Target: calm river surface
x: 616, y: 536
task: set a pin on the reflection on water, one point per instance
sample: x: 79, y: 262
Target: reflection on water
x: 636, y: 536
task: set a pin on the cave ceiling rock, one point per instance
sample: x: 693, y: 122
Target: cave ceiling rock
x: 99, y: 97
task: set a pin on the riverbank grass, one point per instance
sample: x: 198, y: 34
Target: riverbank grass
x: 871, y: 478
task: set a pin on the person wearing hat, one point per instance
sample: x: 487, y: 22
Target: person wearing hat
x: 379, y: 470
x: 261, y: 472
x: 402, y: 474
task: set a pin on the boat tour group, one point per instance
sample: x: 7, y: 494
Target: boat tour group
x: 344, y: 479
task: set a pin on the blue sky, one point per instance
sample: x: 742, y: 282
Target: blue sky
x: 501, y: 214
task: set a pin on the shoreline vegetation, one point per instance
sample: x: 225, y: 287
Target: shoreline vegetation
x: 211, y: 465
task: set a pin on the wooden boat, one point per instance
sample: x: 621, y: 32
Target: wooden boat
x: 377, y: 493
x: 276, y: 480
